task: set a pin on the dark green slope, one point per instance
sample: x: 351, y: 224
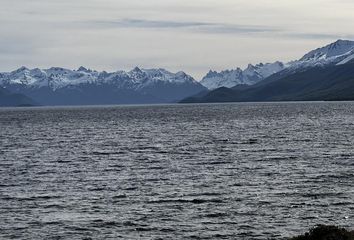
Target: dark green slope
x: 8, y: 99
x: 315, y: 84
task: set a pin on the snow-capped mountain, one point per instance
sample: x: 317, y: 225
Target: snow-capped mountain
x: 148, y: 85
x: 330, y: 52
x: 53, y: 78
x: 339, y: 52
x: 249, y: 76
x: 56, y: 78
x: 60, y: 86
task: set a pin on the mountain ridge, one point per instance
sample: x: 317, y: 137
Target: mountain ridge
x: 61, y: 86
x: 320, y: 83
x: 250, y: 75
x: 55, y: 85
x: 338, y: 52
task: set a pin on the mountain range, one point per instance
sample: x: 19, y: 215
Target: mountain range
x: 326, y: 73
x: 322, y: 74
x: 249, y: 76
x: 339, y: 51
x: 59, y: 86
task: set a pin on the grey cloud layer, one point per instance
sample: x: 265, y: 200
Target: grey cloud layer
x: 211, y: 28
x: 176, y: 34
x: 195, y: 26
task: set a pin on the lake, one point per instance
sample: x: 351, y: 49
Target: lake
x: 208, y: 171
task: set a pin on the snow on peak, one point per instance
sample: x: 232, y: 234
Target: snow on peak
x: 83, y: 69
x: 250, y: 67
x: 339, y: 52
x: 227, y: 78
x: 57, y: 77
x: 264, y: 70
x: 137, y: 74
x: 249, y: 76
x: 335, y: 49
x: 333, y: 53
x: 21, y: 69
x: 136, y: 70
x: 211, y: 74
x: 347, y: 59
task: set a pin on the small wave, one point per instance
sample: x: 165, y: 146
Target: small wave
x: 342, y: 203
x: 120, y: 196
x: 45, y: 172
x: 130, y: 188
x: 320, y: 195
x: 212, y: 163
x: 97, y: 189
x: 215, y: 215
x: 31, y: 198
x: 53, y: 206
x: 192, y: 201
x: 101, y: 153
x: 145, y: 229
x: 53, y: 223
x: 251, y: 141
x: 204, y: 194
x: 101, y: 223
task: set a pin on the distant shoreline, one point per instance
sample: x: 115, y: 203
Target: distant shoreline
x: 169, y: 104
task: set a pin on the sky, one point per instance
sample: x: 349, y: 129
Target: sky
x: 190, y: 35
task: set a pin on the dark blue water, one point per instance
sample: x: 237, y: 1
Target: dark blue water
x: 232, y: 171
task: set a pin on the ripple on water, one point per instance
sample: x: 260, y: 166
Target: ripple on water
x: 224, y: 171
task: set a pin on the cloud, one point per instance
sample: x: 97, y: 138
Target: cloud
x: 201, y: 27
x: 175, y: 34
x: 212, y: 28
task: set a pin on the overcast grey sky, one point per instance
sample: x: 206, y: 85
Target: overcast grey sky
x: 189, y: 35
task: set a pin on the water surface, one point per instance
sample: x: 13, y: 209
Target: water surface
x: 224, y: 171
